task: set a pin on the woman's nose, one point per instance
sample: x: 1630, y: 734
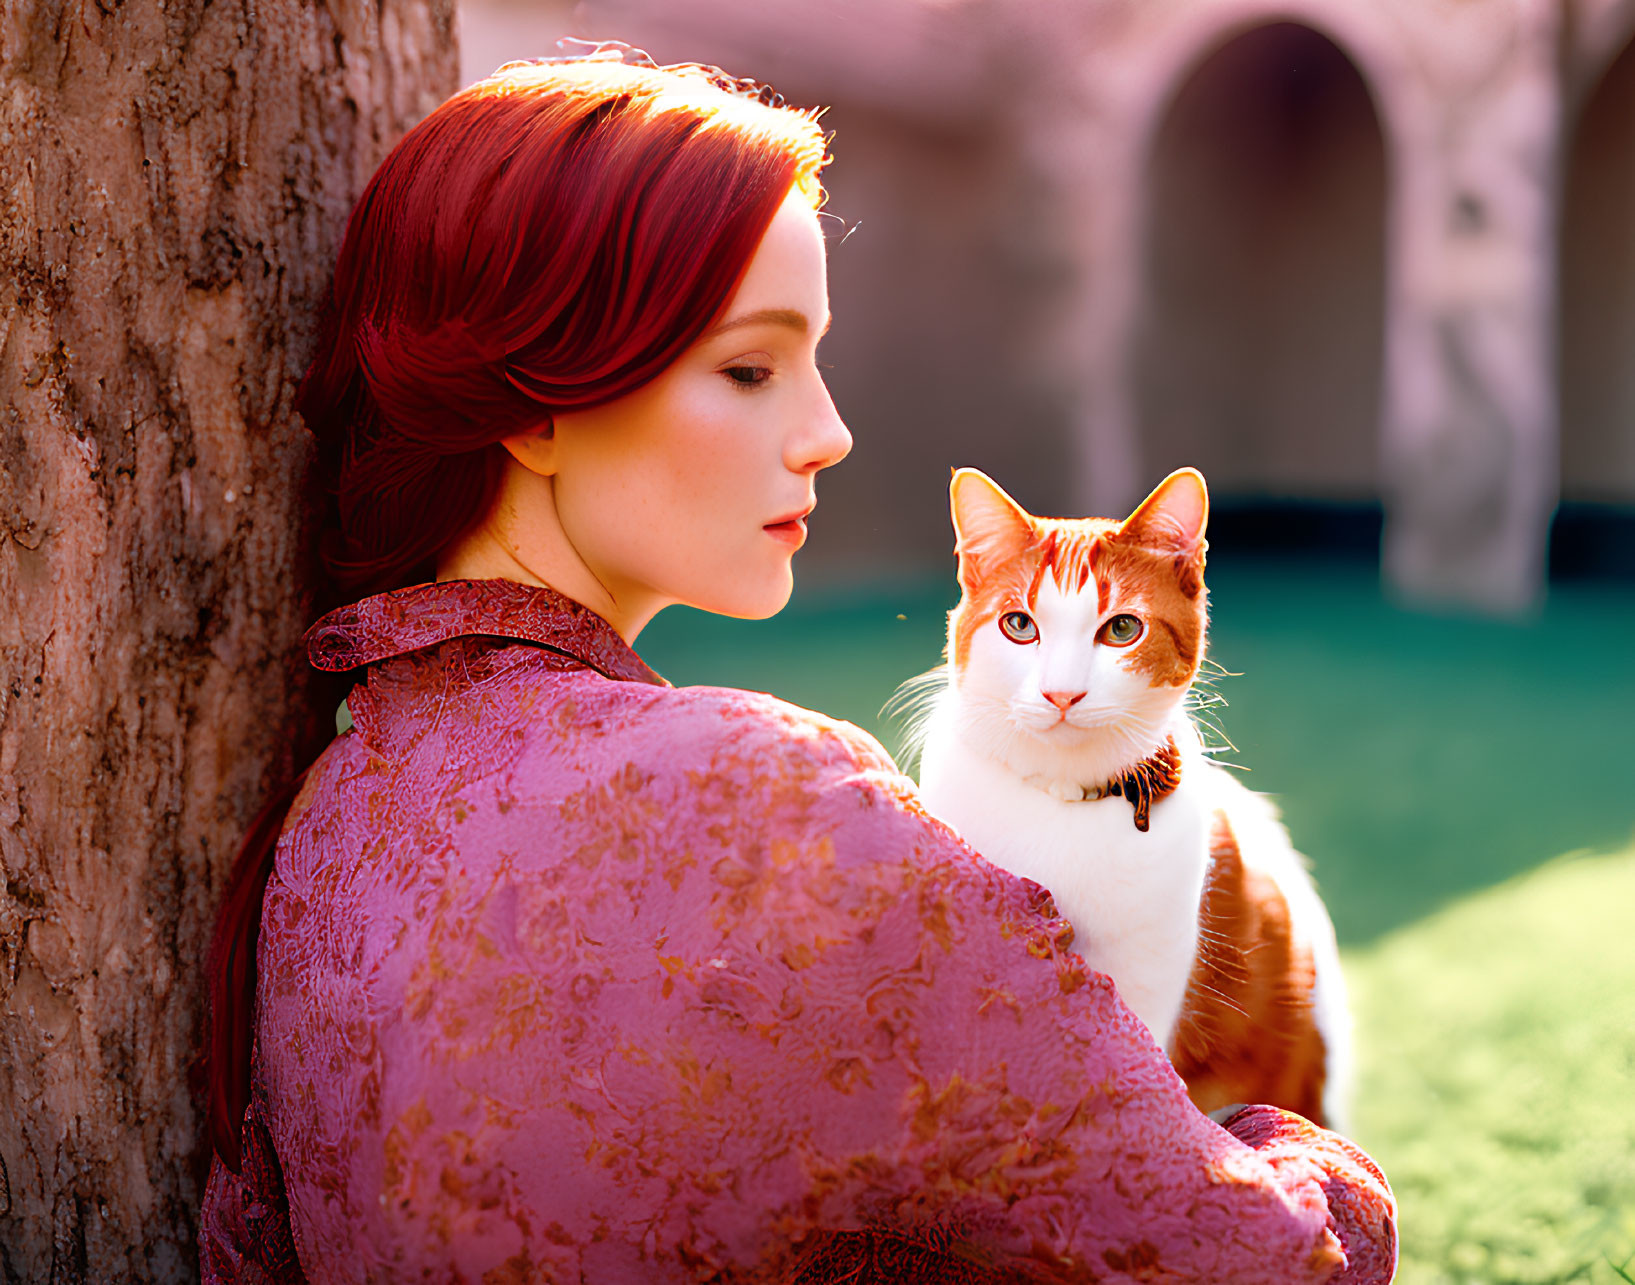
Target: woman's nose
x: 825, y: 441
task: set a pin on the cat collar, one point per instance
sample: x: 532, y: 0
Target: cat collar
x: 1154, y: 778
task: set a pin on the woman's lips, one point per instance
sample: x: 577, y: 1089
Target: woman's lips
x: 791, y: 530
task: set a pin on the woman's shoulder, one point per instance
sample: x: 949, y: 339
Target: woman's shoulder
x: 712, y: 718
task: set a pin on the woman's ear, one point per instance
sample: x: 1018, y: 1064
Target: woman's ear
x: 535, y: 450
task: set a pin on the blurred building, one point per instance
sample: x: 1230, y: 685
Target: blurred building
x: 1369, y: 254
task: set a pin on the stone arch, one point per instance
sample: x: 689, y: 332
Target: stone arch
x: 1259, y: 347
x: 1597, y: 300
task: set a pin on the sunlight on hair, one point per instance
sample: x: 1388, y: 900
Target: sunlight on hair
x: 679, y: 87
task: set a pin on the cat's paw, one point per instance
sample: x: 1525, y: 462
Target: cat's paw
x: 1066, y: 791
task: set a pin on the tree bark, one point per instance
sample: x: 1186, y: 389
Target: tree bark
x: 176, y: 179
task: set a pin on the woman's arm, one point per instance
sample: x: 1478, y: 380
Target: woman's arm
x: 1361, y: 1209
x: 902, y: 1029
x: 689, y: 987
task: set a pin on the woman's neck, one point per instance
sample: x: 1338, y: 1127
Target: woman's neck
x: 523, y: 539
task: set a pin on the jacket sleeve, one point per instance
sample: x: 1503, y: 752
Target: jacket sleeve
x: 909, y: 1025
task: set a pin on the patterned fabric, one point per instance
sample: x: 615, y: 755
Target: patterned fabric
x: 405, y: 620
x: 569, y: 975
x: 247, y: 1236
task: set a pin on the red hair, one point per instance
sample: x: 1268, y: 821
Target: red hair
x: 549, y: 239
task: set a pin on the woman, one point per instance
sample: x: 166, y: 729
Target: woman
x: 565, y: 974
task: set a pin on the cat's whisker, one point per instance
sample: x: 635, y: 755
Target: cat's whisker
x: 1211, y: 725
x: 914, y: 703
x: 1226, y: 1000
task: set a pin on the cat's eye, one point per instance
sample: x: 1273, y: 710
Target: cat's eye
x: 1018, y: 626
x: 1122, y: 630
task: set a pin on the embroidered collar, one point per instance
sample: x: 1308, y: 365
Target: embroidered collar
x: 1150, y: 780
x: 404, y: 620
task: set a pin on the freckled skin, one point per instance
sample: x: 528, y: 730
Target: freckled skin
x: 567, y: 974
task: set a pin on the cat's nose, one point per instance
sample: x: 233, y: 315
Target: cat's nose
x: 1063, y: 701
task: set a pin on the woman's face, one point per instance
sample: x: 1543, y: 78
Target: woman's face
x: 693, y: 489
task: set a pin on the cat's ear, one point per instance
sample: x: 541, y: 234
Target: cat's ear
x: 990, y: 528
x: 1173, y: 516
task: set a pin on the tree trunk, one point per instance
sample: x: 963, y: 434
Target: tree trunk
x: 176, y: 179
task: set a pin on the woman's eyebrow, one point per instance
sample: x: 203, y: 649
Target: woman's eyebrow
x: 769, y: 316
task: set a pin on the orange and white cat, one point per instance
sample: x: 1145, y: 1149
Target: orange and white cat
x: 1061, y: 748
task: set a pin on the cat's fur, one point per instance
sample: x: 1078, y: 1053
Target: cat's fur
x: 1206, y: 921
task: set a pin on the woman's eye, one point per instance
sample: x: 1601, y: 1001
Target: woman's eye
x: 1018, y: 626
x: 747, y: 376
x: 1121, y: 630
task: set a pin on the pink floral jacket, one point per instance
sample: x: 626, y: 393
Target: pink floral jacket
x: 569, y: 975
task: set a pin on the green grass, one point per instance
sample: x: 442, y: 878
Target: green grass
x: 1430, y: 765
x: 1420, y: 757
x: 1497, y: 1078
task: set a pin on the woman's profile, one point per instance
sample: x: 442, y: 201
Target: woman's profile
x: 564, y: 974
